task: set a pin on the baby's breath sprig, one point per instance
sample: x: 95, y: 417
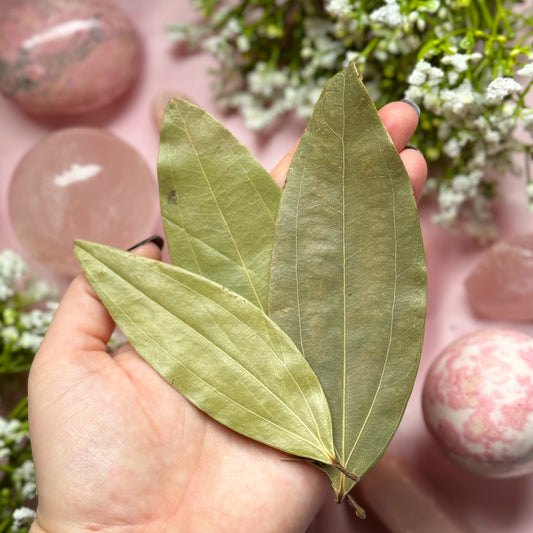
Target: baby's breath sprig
x: 26, y: 308
x: 467, y: 63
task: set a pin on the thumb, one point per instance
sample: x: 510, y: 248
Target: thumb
x: 81, y: 322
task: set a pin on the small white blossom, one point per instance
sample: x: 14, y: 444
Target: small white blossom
x: 243, y: 43
x: 22, y: 517
x: 453, y: 77
x: 459, y: 99
x: 339, y: 8
x: 29, y: 341
x: 526, y: 70
x: 499, y: 88
x: 424, y: 72
x: 452, y: 148
x: 389, y: 14
x: 9, y: 334
x: 457, y: 61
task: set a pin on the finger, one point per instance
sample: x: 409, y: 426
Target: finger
x: 81, y: 322
x: 416, y: 166
x: 400, y: 119
x: 279, y: 172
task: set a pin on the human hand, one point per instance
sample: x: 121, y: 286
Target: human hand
x: 118, y: 449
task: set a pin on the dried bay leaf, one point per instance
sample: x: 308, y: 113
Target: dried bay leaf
x: 217, y: 348
x: 348, y: 277
x: 218, y: 203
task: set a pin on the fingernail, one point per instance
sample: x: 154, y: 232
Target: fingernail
x: 412, y: 104
x: 411, y: 147
x: 156, y: 239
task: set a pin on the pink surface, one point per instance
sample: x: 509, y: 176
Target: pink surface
x: 490, y: 506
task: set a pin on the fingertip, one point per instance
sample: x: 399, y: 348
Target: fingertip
x: 416, y: 166
x: 401, y: 120
x: 150, y: 247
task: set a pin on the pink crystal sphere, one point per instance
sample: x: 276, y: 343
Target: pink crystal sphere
x: 63, y: 57
x: 478, y: 402
x: 501, y: 286
x: 80, y: 183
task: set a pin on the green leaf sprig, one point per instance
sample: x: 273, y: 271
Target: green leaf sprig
x: 295, y: 318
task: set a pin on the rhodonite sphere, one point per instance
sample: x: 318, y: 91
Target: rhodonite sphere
x: 64, y: 57
x: 478, y: 402
x: 80, y: 183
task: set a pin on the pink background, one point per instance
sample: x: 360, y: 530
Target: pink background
x: 490, y: 506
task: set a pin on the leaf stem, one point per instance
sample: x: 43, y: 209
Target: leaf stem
x: 359, y: 511
x: 343, y: 470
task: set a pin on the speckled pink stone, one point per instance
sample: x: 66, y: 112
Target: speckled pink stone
x: 80, y: 183
x: 501, y: 286
x: 63, y: 57
x: 478, y: 402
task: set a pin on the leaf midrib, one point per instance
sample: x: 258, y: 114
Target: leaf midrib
x: 319, y: 443
x: 220, y: 211
x: 393, y: 309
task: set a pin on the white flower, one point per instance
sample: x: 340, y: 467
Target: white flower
x: 459, y: 99
x: 9, y: 334
x: 453, y: 77
x: 339, y: 8
x: 452, y: 148
x: 266, y: 81
x: 526, y: 70
x: 499, y: 88
x: 458, y: 61
x: 389, y: 14
x: 25, y: 472
x: 243, y: 43
x: 417, y: 78
x: 29, y: 341
x: 424, y: 72
x: 12, y: 268
x: 22, y: 517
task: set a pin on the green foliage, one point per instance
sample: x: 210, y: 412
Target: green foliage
x: 467, y: 63
x: 26, y: 308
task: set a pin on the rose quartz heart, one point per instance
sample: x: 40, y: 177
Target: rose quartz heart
x: 64, y: 57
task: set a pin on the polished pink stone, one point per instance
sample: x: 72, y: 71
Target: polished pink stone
x: 63, y: 57
x: 501, y: 286
x: 478, y: 402
x: 80, y: 183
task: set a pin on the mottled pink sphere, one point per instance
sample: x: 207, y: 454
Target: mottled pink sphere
x: 64, y: 57
x: 478, y: 402
x: 80, y: 183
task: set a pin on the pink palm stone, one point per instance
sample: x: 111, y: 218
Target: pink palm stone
x: 501, y: 285
x: 66, y: 56
x: 80, y: 183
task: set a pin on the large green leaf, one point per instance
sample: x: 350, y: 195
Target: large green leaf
x: 348, y: 271
x: 218, y: 203
x: 217, y: 348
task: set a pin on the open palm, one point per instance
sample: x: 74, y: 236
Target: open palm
x: 117, y: 449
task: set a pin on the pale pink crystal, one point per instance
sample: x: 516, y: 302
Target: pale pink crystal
x: 66, y: 56
x: 80, y: 183
x: 501, y: 285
